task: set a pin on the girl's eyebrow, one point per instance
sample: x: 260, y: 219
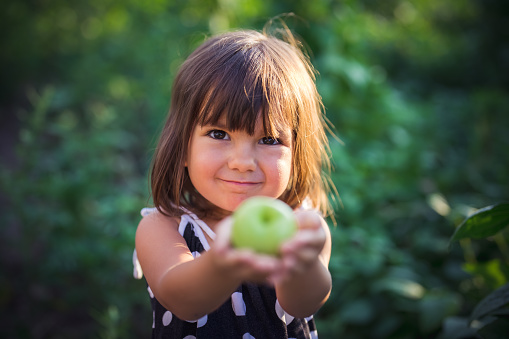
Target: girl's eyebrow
x: 221, y: 123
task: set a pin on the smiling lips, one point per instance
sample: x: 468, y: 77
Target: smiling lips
x: 239, y: 186
x: 240, y: 183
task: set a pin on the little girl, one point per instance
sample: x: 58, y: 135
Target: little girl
x: 245, y: 120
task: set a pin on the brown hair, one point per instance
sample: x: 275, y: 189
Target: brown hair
x: 242, y: 75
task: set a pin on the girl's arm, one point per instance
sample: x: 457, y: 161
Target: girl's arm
x: 306, y: 282
x: 191, y: 288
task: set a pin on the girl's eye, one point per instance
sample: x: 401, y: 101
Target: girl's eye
x: 218, y: 134
x: 270, y: 141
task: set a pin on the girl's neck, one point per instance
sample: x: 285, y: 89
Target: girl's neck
x: 207, y: 212
x: 213, y: 219
x: 212, y: 216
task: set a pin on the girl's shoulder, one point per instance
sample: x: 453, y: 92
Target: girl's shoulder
x: 152, y: 214
x: 156, y: 225
x: 158, y: 244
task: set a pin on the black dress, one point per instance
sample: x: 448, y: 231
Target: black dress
x: 251, y: 312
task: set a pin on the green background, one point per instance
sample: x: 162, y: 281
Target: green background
x: 418, y: 92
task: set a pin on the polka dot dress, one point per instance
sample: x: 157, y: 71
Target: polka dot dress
x: 252, y: 311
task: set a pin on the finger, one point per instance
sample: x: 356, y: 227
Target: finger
x: 249, y: 258
x: 252, y: 266
x: 223, y: 233
x: 308, y: 219
x: 304, y: 239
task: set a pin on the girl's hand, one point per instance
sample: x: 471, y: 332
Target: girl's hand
x: 305, y: 248
x: 242, y: 264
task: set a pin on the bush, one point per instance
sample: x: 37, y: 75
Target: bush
x: 418, y: 94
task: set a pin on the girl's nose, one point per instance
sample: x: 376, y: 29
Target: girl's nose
x: 242, y: 158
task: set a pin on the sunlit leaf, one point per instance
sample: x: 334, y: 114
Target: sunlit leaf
x: 484, y: 223
x: 494, y: 272
x: 402, y: 287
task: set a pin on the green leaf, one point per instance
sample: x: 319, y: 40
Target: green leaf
x: 484, y: 223
x: 491, y: 302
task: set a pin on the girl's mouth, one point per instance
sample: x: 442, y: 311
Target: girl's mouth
x: 239, y: 182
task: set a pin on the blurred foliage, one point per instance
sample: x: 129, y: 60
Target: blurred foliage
x: 417, y: 90
x: 490, y: 317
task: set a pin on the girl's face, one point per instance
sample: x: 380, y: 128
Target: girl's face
x: 227, y: 167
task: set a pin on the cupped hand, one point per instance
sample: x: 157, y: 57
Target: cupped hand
x: 304, y: 249
x: 242, y: 264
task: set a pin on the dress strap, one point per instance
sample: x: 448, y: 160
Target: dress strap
x: 199, y: 228
x: 200, y: 223
x: 206, y: 228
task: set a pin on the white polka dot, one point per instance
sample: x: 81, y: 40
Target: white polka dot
x: 279, y: 310
x: 153, y: 319
x: 314, y: 334
x: 196, y: 254
x: 247, y: 336
x: 285, y: 317
x: 308, y: 319
x: 150, y: 292
x: 189, y: 337
x: 202, y: 321
x: 238, y: 304
x: 167, y: 317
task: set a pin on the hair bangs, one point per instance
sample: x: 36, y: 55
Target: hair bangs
x: 243, y: 92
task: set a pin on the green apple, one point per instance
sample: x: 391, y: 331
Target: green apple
x: 262, y: 224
